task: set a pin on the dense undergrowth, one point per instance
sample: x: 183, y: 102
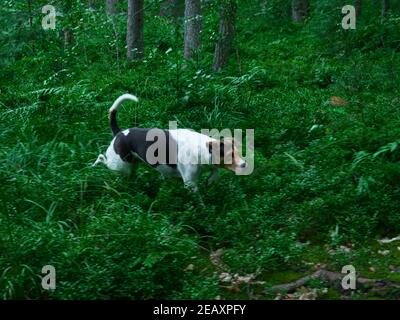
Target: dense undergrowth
x: 326, y: 182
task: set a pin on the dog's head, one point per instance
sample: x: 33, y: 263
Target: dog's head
x: 225, y: 153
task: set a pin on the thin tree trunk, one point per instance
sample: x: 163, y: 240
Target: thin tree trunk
x: 31, y: 29
x: 30, y: 13
x: 91, y: 4
x: 192, y: 27
x: 300, y: 10
x: 358, y: 6
x: 264, y: 7
x: 111, y: 12
x: 385, y: 8
x: 226, y: 34
x: 68, y: 37
x: 111, y: 7
x: 134, y: 36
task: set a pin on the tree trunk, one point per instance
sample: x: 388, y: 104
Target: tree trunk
x: 299, y: 10
x: 110, y: 7
x: 68, y: 37
x: 172, y: 8
x: 226, y: 33
x: 134, y: 36
x: 192, y: 27
x: 385, y: 8
x: 91, y: 4
x: 30, y: 13
x: 31, y: 29
x: 358, y: 6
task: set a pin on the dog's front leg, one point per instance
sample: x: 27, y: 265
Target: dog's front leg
x: 192, y: 186
x: 190, y: 176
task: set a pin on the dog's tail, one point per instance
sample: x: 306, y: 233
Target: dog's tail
x: 113, y: 111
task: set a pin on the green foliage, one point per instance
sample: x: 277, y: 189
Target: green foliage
x: 325, y: 174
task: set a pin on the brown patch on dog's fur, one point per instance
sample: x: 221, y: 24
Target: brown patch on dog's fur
x: 228, y: 150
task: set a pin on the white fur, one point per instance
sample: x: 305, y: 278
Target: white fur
x: 193, y: 153
x: 113, y: 161
x: 121, y: 99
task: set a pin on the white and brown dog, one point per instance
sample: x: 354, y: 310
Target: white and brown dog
x: 176, y: 152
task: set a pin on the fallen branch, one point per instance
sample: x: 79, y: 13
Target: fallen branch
x: 382, y: 241
x: 332, y: 278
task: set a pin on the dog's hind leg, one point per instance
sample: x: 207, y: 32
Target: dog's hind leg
x: 100, y: 159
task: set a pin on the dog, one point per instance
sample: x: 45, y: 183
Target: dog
x: 183, y: 152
